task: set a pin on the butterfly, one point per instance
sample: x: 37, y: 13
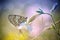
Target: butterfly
x: 16, y: 20
x: 19, y: 21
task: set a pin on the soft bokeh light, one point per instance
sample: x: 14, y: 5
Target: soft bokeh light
x: 31, y: 10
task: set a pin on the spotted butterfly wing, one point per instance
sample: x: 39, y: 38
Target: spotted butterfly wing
x: 16, y: 20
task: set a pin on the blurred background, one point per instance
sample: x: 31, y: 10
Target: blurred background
x: 26, y: 8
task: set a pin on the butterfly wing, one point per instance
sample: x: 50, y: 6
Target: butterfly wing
x: 16, y: 20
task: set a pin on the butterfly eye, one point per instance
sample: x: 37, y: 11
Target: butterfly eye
x: 25, y: 17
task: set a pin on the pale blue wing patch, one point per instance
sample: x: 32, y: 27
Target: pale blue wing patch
x: 27, y: 26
